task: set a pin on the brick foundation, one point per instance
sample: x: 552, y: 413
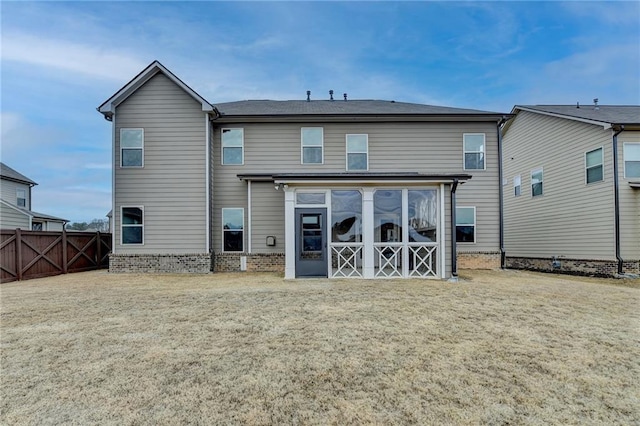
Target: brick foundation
x: 479, y: 260
x: 256, y: 262
x: 199, y: 263
x: 597, y: 268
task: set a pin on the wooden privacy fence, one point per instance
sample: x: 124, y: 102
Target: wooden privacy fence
x: 35, y: 254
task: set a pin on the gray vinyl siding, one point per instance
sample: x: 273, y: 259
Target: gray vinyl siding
x: 571, y: 219
x: 10, y: 218
x: 629, y: 204
x: 267, y: 206
x: 393, y: 147
x: 172, y: 184
x: 8, y: 192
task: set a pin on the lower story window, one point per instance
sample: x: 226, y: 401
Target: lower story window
x: 233, y: 229
x: 132, y: 225
x: 465, y: 224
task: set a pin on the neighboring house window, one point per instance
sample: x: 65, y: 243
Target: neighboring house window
x: 312, y: 145
x: 357, y: 152
x: 632, y: 160
x: 131, y: 147
x: 21, y: 198
x: 132, y: 225
x: 517, y: 185
x: 232, y: 146
x: 474, y: 151
x: 594, y: 166
x: 232, y: 229
x: 536, y: 182
x: 465, y: 224
x: 36, y: 226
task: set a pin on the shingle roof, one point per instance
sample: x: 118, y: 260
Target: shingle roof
x: 338, y: 107
x: 8, y: 173
x: 613, y: 114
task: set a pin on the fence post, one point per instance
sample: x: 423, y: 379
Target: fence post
x: 19, y: 254
x: 99, y: 250
x: 65, y: 268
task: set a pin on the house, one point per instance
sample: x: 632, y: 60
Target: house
x: 572, y: 199
x: 15, y: 204
x: 329, y: 188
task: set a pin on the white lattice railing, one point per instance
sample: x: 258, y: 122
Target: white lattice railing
x: 346, y: 260
x: 388, y: 260
x: 423, y: 260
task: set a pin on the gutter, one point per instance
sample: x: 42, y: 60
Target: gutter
x: 503, y: 254
x: 616, y: 197
x: 454, y: 254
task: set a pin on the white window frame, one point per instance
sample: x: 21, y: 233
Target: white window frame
x: 475, y: 225
x: 464, y: 150
x: 517, y: 185
x: 225, y: 230
x: 541, y: 170
x: 624, y: 160
x: 123, y: 148
x: 122, y: 225
x: 24, y: 197
x: 586, y: 168
x: 347, y: 152
x: 302, y: 145
x: 222, y: 145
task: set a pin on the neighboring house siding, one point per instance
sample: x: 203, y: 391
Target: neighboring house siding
x: 629, y: 204
x: 571, y: 219
x: 171, y: 185
x: 8, y: 192
x: 10, y: 218
x: 53, y: 226
x: 393, y: 147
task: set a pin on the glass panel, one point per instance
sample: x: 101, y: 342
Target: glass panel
x: 310, y: 197
x: 465, y: 216
x: 473, y: 143
x: 632, y: 169
x: 474, y: 160
x: 131, y: 216
x: 536, y: 183
x: 312, y: 155
x: 131, y: 138
x: 232, y: 155
x: 346, y: 214
x: 233, y: 218
x: 357, y: 162
x: 232, y: 137
x: 311, y: 232
x: 387, y: 216
x: 594, y: 174
x: 536, y: 189
x: 312, y: 136
x: 131, y: 157
x: 423, y: 216
x: 464, y: 234
x: 632, y: 152
x: 594, y: 158
x: 132, y: 235
x: 233, y: 240
x: 517, y: 190
x: 356, y: 143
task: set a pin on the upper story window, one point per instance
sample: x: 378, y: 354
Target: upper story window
x: 132, y: 228
x: 517, y: 185
x: 357, y: 152
x: 232, y: 146
x: 21, y: 198
x: 312, y: 139
x: 536, y: 182
x: 632, y: 160
x: 233, y: 229
x: 465, y: 224
x: 594, y: 166
x: 474, y: 149
x: 131, y: 147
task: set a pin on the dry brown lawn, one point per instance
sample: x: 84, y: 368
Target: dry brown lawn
x: 497, y: 348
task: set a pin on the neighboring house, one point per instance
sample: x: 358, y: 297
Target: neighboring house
x: 337, y: 188
x: 15, y: 204
x: 572, y: 193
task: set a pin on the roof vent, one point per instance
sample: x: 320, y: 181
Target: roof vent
x: 595, y: 104
x: 330, y: 95
x: 578, y: 105
x: 308, y: 95
x: 345, y: 96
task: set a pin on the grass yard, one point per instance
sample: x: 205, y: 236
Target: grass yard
x: 500, y: 347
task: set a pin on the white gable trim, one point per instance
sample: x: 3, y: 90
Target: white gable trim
x: 604, y: 124
x: 109, y: 106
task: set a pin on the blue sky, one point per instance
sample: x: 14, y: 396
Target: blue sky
x: 60, y: 60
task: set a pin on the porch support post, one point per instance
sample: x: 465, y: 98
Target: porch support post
x: 442, y: 236
x: 368, y: 269
x: 454, y: 254
x: 289, y: 234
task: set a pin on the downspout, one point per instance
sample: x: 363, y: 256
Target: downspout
x: 503, y: 256
x: 616, y: 198
x: 454, y: 254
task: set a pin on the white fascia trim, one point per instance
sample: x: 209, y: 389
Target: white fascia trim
x: 604, y: 124
x: 333, y: 183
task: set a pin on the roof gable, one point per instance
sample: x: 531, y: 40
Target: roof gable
x: 606, y: 116
x: 8, y: 173
x: 108, y: 107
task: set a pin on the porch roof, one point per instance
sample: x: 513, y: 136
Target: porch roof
x: 344, y: 177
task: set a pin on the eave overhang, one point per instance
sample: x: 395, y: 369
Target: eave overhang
x: 354, y: 178
x: 604, y: 124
